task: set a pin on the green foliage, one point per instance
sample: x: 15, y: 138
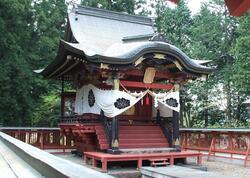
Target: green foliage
x: 129, y: 6
x: 206, y: 34
x: 240, y: 51
x: 175, y: 24
x: 47, y: 113
x: 49, y: 25
x: 29, y: 35
x: 14, y: 35
x: 214, y: 35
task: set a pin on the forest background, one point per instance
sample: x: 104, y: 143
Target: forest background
x: 29, y: 36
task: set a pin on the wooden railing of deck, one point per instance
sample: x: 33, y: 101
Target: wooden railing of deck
x: 213, y: 141
x: 216, y: 141
x: 41, y: 137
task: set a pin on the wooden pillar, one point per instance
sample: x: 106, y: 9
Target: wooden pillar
x: 199, y: 141
x: 176, y: 131
x: 115, y: 136
x: 247, y: 158
x: 176, y: 126
x: 104, y: 165
x: 181, y: 107
x: 231, y: 144
x: 186, y: 140
x: 115, y: 128
x: 199, y: 160
x: 158, y: 116
x: 38, y: 138
x: 171, y: 160
x: 42, y: 140
x: 212, y: 147
x: 85, y: 159
x: 164, y: 128
x: 139, y: 164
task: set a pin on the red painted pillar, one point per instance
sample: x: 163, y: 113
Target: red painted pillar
x: 42, y: 140
x: 139, y: 163
x: 93, y: 162
x: 85, y: 159
x: 231, y: 144
x: 199, y: 160
x: 199, y: 141
x: 185, y: 143
x: 104, y: 165
x: 171, y: 160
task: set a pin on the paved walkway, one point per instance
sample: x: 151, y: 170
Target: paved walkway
x: 12, y: 166
x: 177, y: 172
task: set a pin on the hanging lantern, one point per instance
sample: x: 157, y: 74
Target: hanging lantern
x: 147, y: 100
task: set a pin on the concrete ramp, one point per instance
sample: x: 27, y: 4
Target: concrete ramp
x: 12, y: 166
x: 19, y: 159
x: 177, y: 172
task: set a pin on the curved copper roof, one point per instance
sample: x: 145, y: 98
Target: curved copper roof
x: 100, y: 36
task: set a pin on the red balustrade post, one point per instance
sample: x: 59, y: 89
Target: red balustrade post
x: 199, y: 141
x: 42, y: 140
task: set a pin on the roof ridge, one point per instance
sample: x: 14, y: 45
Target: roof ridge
x: 97, y: 12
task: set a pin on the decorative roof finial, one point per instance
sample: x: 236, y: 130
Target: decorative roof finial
x: 159, y: 37
x: 72, y: 5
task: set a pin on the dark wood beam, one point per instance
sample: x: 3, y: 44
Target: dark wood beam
x: 170, y: 65
x: 133, y: 84
x: 158, y: 74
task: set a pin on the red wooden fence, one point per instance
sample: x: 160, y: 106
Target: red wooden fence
x: 229, y: 141
x: 43, y: 138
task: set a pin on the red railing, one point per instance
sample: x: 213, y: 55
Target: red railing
x: 43, y: 138
x: 228, y: 141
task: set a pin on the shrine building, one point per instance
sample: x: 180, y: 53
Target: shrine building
x: 126, y: 79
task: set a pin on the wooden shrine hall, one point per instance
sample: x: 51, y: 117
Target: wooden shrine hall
x: 126, y: 79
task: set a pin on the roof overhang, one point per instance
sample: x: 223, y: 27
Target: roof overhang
x: 124, y: 41
x: 129, y: 57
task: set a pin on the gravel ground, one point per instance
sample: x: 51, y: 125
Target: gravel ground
x: 227, y: 169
